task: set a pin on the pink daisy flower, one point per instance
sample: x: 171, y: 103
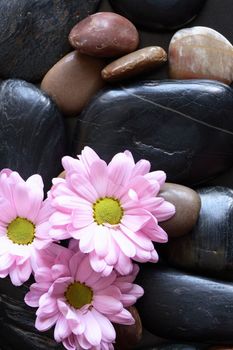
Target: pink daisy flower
x: 112, y: 210
x: 24, y: 225
x: 80, y: 302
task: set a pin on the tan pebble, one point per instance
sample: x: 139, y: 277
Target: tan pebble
x: 200, y: 53
x: 62, y: 174
x: 134, y: 63
x: 128, y: 336
x: 187, y: 203
x: 73, y: 81
x: 104, y: 34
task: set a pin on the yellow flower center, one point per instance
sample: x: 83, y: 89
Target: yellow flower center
x: 21, y: 231
x: 78, y: 295
x: 107, y: 210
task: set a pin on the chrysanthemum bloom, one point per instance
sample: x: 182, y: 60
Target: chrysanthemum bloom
x: 24, y: 225
x: 80, y: 302
x: 113, y: 210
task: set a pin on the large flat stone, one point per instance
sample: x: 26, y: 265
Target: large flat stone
x: 34, y: 34
x: 182, y: 127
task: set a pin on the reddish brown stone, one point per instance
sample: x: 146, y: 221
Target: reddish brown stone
x: 134, y: 63
x: 128, y: 336
x: 187, y: 203
x: 73, y: 81
x: 104, y: 34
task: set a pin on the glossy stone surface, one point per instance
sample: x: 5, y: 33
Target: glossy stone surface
x: 187, y: 203
x: 184, y: 306
x: 31, y: 131
x: 170, y: 123
x: 33, y: 34
x: 104, y: 34
x: 201, y: 53
x: 127, y: 337
x: 18, y: 321
x: 137, y: 62
x: 208, y: 247
x: 158, y: 14
x: 73, y: 81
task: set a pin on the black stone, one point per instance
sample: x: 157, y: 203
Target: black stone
x: 32, y: 131
x: 182, y: 127
x: 208, y: 248
x: 185, y: 307
x: 158, y: 14
x: 18, y: 321
x: 34, y: 34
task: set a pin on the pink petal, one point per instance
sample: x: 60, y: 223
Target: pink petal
x: 104, y: 282
x: 21, y: 196
x: 88, y: 156
x: 106, y: 304
x: 70, y: 164
x: 84, y: 270
x: 138, y: 238
x: 59, y: 219
x: 47, y: 306
x: 120, y: 169
x: 59, y: 286
x: 158, y: 175
x: 99, y: 177
x: 124, y: 264
x: 14, y: 276
x: 112, y: 291
x: 135, y: 219
x: 74, y: 262
x: 113, y: 252
x: 24, y: 270
x: 83, y: 187
x: 107, y: 329
x: 82, y: 217
x: 6, y: 261
x: 7, y: 211
x: 142, y: 167
x: 61, y: 330
x: 101, y: 240
x: 123, y: 317
x: 36, y: 194
x: 164, y: 211
x: 125, y: 245
x: 45, y: 323
x: 59, y: 233
x: 92, y: 331
x: 98, y: 264
x: 87, y: 240
x: 155, y: 233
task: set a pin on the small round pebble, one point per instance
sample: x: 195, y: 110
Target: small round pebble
x: 201, y: 53
x: 127, y: 336
x: 104, y: 34
x: 73, y: 81
x: 187, y: 203
x: 134, y: 63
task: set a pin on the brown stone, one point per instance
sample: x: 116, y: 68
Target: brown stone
x: 62, y: 174
x: 128, y: 336
x: 104, y: 34
x: 134, y: 63
x: 201, y: 53
x: 73, y: 81
x: 187, y: 203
